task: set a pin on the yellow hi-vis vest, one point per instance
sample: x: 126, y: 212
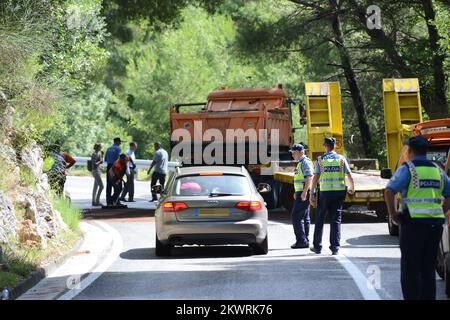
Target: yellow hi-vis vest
x: 332, y: 175
x: 423, y: 198
x: 299, y: 178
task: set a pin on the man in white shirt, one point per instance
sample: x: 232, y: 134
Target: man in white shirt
x: 131, y: 172
x: 160, y: 164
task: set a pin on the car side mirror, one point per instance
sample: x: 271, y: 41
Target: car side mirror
x: 264, y: 187
x: 386, y: 173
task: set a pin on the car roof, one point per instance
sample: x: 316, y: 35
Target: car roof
x: 223, y: 169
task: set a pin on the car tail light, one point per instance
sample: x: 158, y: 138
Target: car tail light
x: 257, y: 170
x: 249, y: 205
x: 173, y: 206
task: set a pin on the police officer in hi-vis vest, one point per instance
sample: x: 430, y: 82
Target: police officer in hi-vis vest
x: 331, y: 170
x: 422, y: 185
x: 302, y: 184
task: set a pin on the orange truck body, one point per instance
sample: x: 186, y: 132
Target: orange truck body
x: 258, y: 108
x: 437, y: 132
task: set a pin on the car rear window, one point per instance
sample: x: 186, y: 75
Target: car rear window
x: 206, y: 185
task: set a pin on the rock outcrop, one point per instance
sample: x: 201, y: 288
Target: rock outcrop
x: 8, y: 220
x: 38, y: 221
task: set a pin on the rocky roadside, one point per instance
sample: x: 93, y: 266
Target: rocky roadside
x: 32, y: 232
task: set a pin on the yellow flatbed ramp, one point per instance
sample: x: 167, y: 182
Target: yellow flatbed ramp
x: 369, y: 186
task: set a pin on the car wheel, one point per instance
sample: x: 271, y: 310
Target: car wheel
x: 261, y: 248
x: 161, y: 250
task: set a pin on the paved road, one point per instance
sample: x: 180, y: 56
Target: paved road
x: 368, y: 256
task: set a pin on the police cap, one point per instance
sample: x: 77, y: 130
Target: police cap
x: 330, y: 141
x: 297, y: 147
x: 418, y: 143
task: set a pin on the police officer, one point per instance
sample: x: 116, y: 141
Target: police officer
x: 331, y: 169
x: 302, y: 185
x: 421, y: 184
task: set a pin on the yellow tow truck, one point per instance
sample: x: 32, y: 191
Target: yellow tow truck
x: 403, y: 119
x: 402, y: 110
x: 323, y: 117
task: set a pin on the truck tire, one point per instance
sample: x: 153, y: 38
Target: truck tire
x: 272, y: 197
x: 261, y: 248
x: 161, y: 250
x: 380, y: 210
x: 287, y: 196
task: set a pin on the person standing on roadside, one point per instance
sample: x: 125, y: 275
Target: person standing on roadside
x: 302, y: 185
x: 62, y: 161
x: 422, y: 185
x: 111, y: 156
x: 331, y: 170
x: 160, y: 163
x: 97, y: 161
x: 131, y: 171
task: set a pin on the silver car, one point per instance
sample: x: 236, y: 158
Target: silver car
x: 211, y: 205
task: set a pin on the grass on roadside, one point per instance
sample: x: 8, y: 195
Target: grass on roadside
x: 19, y: 262
x: 70, y: 215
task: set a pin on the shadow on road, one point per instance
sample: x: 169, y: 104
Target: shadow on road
x: 377, y: 239
x: 190, y: 252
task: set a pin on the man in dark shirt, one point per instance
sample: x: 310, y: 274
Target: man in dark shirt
x: 111, y: 156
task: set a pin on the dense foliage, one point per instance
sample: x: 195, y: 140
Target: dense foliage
x: 84, y: 71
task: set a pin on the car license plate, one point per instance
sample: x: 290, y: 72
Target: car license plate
x: 212, y: 212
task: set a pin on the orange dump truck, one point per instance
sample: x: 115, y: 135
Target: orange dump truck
x: 249, y: 127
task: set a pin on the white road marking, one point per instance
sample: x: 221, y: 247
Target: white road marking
x: 114, y: 252
x: 357, y: 276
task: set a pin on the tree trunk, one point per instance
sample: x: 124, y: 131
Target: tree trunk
x: 434, y: 102
x: 350, y: 76
x: 438, y: 100
x: 379, y: 37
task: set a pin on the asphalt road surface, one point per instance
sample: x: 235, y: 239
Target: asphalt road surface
x: 367, y: 267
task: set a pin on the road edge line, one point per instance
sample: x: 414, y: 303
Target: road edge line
x: 96, y: 272
x: 358, y: 277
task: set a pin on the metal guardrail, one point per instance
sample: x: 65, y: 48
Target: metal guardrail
x: 140, y: 163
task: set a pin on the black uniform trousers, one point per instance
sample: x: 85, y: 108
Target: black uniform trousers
x: 419, y: 244
x: 301, y: 219
x: 329, y: 202
x: 109, y: 185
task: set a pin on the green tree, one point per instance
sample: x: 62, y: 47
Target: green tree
x: 185, y: 64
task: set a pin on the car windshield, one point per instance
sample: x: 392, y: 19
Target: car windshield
x: 225, y: 185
